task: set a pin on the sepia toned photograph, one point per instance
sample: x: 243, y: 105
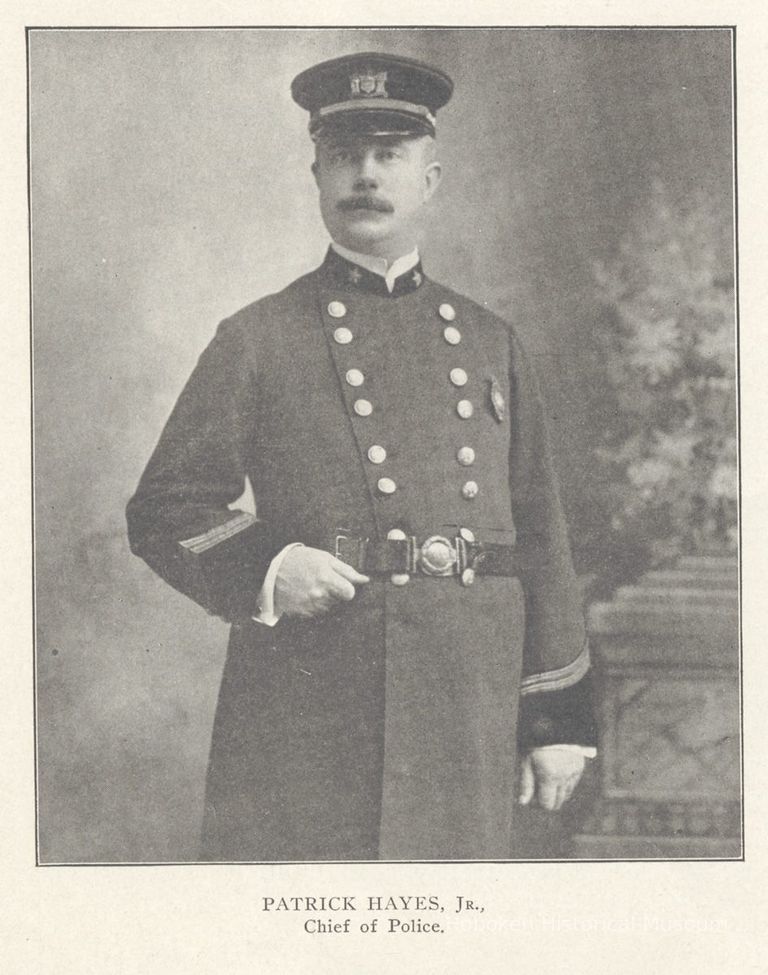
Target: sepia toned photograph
x: 386, y: 494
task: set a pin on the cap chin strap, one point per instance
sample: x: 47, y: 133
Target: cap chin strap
x: 320, y: 131
x: 419, y: 113
x: 379, y: 104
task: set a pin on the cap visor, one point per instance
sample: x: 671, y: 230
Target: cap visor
x: 372, y: 122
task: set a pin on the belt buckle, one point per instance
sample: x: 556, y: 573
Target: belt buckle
x: 438, y: 556
x: 359, y: 553
x: 338, y: 539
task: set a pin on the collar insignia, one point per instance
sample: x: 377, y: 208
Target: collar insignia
x: 353, y: 276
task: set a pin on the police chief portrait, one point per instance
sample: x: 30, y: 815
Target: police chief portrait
x: 385, y: 444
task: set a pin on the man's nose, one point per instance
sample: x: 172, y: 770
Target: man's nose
x: 367, y: 174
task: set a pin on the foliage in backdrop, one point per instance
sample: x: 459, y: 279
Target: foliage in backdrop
x: 663, y: 406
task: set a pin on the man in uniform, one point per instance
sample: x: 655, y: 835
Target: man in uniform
x: 406, y: 622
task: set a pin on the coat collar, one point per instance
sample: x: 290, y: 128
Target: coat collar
x: 354, y: 277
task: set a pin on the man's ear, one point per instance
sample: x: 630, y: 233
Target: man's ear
x: 432, y: 176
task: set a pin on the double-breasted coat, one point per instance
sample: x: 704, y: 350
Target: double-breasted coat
x: 387, y: 728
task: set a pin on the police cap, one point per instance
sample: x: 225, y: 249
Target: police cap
x: 372, y: 94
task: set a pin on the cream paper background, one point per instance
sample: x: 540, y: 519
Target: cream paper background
x: 574, y: 917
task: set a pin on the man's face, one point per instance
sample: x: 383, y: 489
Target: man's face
x: 373, y: 190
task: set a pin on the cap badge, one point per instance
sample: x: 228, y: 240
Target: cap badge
x: 369, y: 85
x: 497, y: 400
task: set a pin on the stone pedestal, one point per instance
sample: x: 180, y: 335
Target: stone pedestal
x: 666, y: 654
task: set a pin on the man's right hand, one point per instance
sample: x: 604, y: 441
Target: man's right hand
x: 310, y: 582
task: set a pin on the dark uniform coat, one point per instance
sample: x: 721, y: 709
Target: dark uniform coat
x: 386, y: 728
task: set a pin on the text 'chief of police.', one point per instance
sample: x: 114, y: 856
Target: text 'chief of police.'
x: 406, y: 623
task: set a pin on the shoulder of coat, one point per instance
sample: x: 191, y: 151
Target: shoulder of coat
x: 470, y: 309
x: 259, y: 315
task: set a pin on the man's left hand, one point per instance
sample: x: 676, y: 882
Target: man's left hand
x: 549, y: 775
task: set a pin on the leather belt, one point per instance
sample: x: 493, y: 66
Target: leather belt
x: 437, y: 555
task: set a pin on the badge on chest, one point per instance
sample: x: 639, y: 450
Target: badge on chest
x: 498, y: 403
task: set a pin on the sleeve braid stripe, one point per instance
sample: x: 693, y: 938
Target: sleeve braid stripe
x: 557, y: 680
x: 201, y: 543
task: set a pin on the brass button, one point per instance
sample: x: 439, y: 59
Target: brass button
x: 467, y: 577
x: 451, y: 335
x: 465, y: 456
x: 337, y: 309
x: 377, y: 455
x: 362, y: 407
x: 396, y: 535
x: 458, y: 377
x: 465, y: 409
x: 386, y: 485
x: 342, y: 335
x: 470, y: 490
x: 355, y: 377
x: 467, y: 534
x: 447, y: 312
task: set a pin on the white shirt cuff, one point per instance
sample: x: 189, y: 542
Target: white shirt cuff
x: 267, y: 616
x: 266, y: 600
x: 588, y: 751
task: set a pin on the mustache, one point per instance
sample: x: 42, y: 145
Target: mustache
x: 365, y: 203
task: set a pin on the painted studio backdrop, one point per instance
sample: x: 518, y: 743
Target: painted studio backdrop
x: 587, y: 194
